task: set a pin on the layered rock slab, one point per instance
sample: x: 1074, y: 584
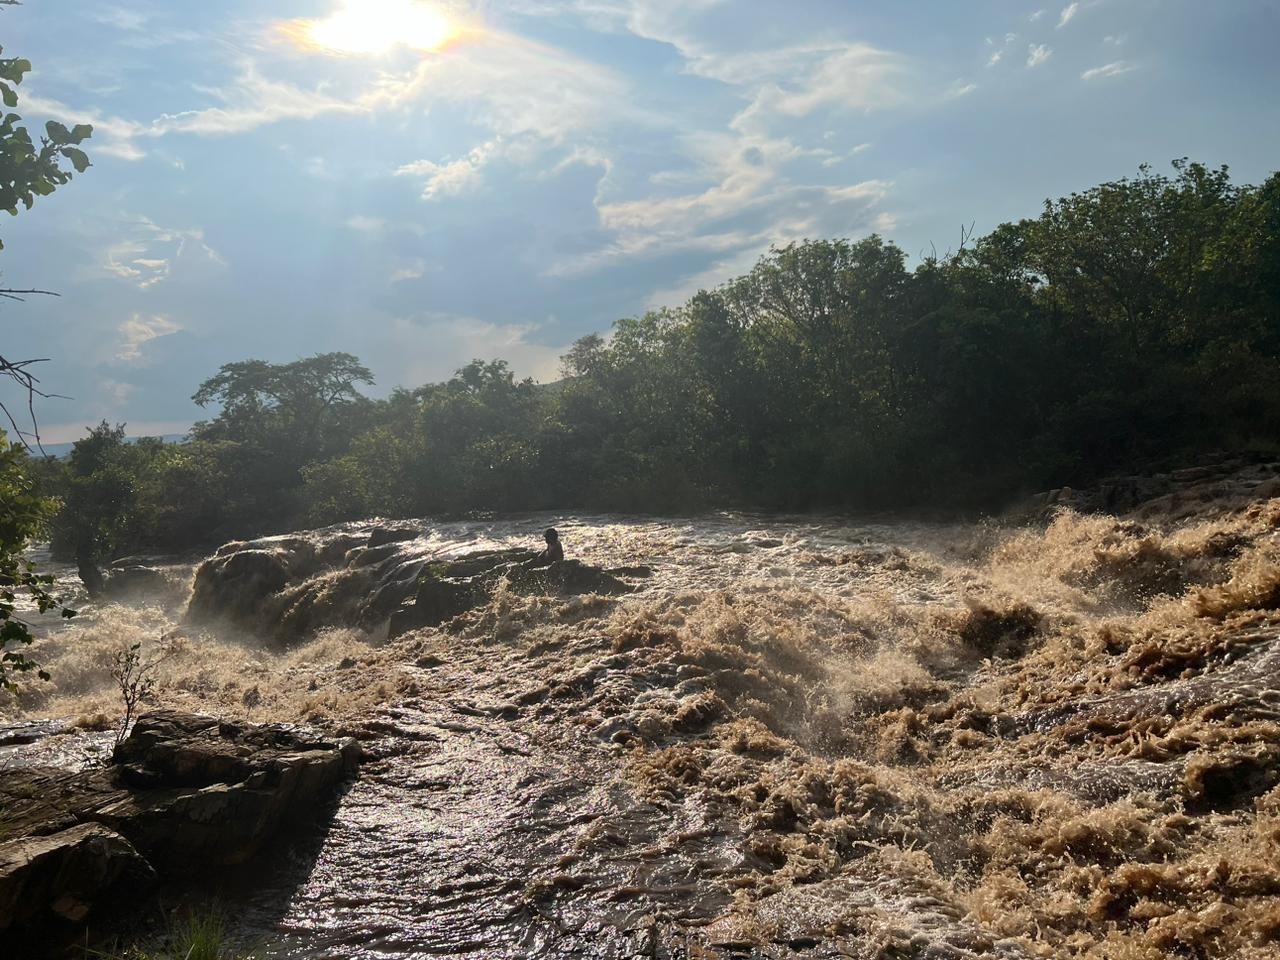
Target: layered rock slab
x: 185, y: 794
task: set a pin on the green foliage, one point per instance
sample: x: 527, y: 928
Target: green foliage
x: 22, y: 516
x: 193, y: 934
x: 1136, y: 320
x: 28, y: 170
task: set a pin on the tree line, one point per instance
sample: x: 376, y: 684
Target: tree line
x: 1133, y: 321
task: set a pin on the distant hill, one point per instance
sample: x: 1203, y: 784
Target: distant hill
x: 60, y: 450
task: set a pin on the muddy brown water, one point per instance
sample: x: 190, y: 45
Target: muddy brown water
x: 739, y: 759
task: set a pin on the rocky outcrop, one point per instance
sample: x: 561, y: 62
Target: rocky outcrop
x: 59, y: 883
x: 388, y: 578
x: 184, y: 794
x: 1229, y: 481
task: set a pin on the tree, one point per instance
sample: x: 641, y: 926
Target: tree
x: 22, y: 516
x: 98, y: 501
x: 28, y: 171
x: 301, y: 402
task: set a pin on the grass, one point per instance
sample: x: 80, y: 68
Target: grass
x: 192, y: 935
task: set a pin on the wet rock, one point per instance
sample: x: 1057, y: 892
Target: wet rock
x: 213, y: 793
x: 448, y: 589
x: 1229, y: 480
x: 286, y: 588
x: 185, y: 794
x: 236, y: 584
x: 135, y: 580
x: 384, y: 535
x: 52, y: 886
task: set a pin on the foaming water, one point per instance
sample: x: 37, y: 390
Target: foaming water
x: 798, y: 736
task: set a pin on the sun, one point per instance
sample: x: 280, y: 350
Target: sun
x: 371, y: 27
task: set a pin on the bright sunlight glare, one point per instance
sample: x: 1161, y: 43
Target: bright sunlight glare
x: 378, y: 26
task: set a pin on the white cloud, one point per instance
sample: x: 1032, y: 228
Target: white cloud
x: 139, y: 330
x: 413, y: 270
x: 1038, y: 53
x: 1067, y: 15
x: 995, y: 58
x: 836, y: 160
x: 145, y: 256
x: 960, y: 89
x: 452, y: 178
x: 515, y: 87
x: 120, y: 18
x: 429, y: 348
x: 744, y: 186
x: 246, y: 103
x: 251, y: 101
x: 1036, y: 16
x: 1108, y: 70
x: 797, y: 81
x: 835, y: 213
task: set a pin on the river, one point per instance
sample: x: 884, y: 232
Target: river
x: 798, y: 736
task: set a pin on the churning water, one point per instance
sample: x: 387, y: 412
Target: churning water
x: 798, y: 736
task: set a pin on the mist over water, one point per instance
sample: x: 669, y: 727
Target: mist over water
x: 798, y: 736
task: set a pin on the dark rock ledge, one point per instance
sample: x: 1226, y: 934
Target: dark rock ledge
x: 185, y: 794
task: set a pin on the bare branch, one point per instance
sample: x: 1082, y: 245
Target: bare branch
x: 19, y: 294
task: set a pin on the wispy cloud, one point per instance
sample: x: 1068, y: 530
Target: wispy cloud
x: 960, y: 88
x: 413, y: 270
x: 1067, y: 15
x: 452, y: 178
x: 1108, y: 70
x: 1038, y: 53
x: 139, y: 330
x: 146, y: 255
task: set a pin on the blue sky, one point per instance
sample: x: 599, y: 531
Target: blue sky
x: 424, y: 183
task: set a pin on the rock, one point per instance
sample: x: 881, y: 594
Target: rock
x: 212, y: 793
x: 185, y: 794
x: 53, y: 886
x: 1230, y: 481
x: 286, y: 588
x: 385, y: 535
x: 132, y: 581
x: 446, y: 590
x: 235, y: 585
x: 568, y: 577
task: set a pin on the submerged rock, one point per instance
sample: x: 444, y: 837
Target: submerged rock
x: 136, y: 580
x: 185, y: 793
x: 446, y: 590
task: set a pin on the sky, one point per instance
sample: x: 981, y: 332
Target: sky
x: 424, y: 183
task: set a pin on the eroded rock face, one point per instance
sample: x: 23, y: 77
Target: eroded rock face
x: 56, y: 884
x: 185, y: 793
x: 289, y: 587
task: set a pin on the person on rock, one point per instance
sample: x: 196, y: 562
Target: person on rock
x: 554, y: 552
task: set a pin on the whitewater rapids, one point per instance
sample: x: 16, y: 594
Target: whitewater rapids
x: 798, y: 737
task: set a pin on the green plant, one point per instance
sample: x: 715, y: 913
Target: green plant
x: 195, y: 934
x: 135, y: 677
x: 22, y: 515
